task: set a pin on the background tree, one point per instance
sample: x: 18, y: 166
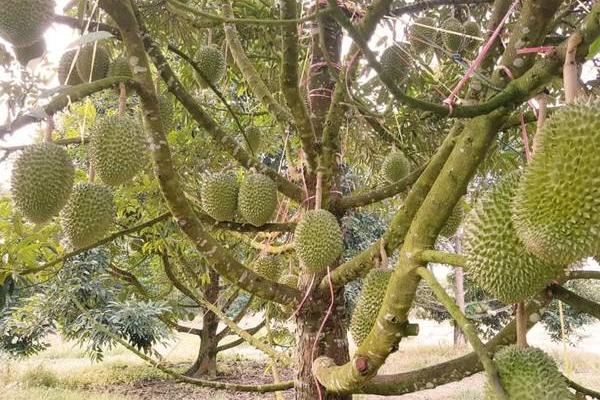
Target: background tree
x: 339, y: 130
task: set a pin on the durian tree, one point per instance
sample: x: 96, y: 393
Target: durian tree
x: 436, y: 113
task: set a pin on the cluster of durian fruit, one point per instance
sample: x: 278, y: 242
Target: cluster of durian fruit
x: 23, y: 23
x: 426, y: 37
x: 521, y: 236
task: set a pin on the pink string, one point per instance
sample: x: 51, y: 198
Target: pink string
x: 524, y: 135
x: 449, y: 101
x: 316, y: 342
x: 539, y: 49
x: 525, y: 139
x: 304, y: 299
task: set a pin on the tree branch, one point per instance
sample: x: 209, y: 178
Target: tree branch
x: 468, y: 329
x: 440, y: 257
x: 290, y: 83
x: 256, y: 84
x: 428, y: 4
x: 453, y: 370
x: 579, y: 303
x: 583, y: 275
x: 378, y: 194
x: 235, y: 343
x: 62, y: 100
x: 201, y: 300
x: 581, y: 389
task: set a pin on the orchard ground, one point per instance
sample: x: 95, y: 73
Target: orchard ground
x: 62, y: 372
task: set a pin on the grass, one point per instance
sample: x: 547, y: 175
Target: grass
x: 53, y: 394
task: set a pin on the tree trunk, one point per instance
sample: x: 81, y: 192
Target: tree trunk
x: 333, y: 342
x: 206, y: 361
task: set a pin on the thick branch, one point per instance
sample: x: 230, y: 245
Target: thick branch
x: 453, y: 370
x: 584, y: 275
x: 290, y: 83
x: 579, y: 303
x: 582, y: 389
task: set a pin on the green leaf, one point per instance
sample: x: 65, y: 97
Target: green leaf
x: 594, y: 49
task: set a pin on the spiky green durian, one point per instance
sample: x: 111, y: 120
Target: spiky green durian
x: 396, y: 61
x: 117, y: 148
x: 100, y: 60
x: 28, y: 53
x: 253, y: 139
x: 267, y: 267
x: 23, y: 22
x: 64, y: 67
x: 454, y: 220
x: 557, y: 205
x: 257, y: 199
x: 471, y: 28
x: 211, y: 62
x: 42, y: 180
x: 395, y: 167
x: 119, y: 67
x: 289, y: 280
x: 220, y: 196
x: 453, y: 39
x: 88, y: 215
x: 421, y: 37
x: 529, y: 374
x: 166, y: 111
x: 368, y: 303
x: 497, y: 260
x: 318, y: 240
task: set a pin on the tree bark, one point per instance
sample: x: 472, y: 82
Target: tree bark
x: 206, y: 361
x: 333, y: 342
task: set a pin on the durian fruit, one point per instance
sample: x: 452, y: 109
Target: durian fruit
x: 117, y: 148
x: 64, y: 66
x: 28, y: 53
x: 166, y: 111
x: 368, y: 303
x: 257, y: 199
x: 396, y: 61
x: 23, y: 22
x: 454, y: 220
x: 119, y: 67
x: 453, y: 41
x: 529, y: 374
x: 254, y: 139
x: 211, y: 62
x: 84, y: 62
x: 42, y: 180
x: 395, y: 167
x: 289, y: 280
x: 318, y: 240
x: 471, y: 28
x: 88, y: 215
x: 496, y: 258
x: 420, y: 36
x: 219, y: 196
x: 267, y: 267
x: 557, y: 205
